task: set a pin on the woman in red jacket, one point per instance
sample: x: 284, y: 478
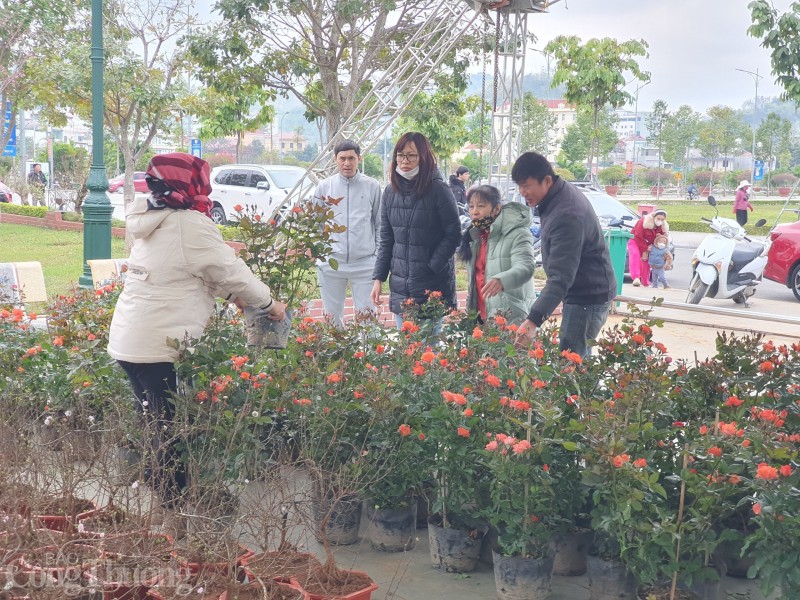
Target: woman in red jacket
x: 644, y: 234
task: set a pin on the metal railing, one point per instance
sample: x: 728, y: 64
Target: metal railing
x: 707, y: 310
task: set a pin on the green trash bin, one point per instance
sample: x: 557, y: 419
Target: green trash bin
x: 617, y: 240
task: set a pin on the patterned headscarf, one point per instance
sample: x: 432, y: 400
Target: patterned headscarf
x: 179, y: 180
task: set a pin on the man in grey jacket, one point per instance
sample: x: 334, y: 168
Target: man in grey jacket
x: 354, y: 249
x: 574, y: 256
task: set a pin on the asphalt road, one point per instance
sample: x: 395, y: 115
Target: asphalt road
x: 685, y: 245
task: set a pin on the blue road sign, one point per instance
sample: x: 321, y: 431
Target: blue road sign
x: 758, y: 170
x: 11, y: 146
x: 196, y: 148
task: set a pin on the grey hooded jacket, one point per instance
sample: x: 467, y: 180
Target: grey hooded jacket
x: 359, y: 211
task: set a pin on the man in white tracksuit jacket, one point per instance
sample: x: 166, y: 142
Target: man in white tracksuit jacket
x: 355, y: 248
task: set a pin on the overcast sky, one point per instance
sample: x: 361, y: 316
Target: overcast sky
x: 695, y: 46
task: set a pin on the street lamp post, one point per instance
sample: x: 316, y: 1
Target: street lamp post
x: 755, y: 77
x: 97, y: 208
x: 636, y: 133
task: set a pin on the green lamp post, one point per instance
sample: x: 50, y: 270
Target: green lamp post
x: 97, y: 207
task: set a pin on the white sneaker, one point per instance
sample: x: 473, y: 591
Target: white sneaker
x: 637, y: 282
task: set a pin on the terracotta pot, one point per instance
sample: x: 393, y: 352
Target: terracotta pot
x: 221, y: 566
x: 62, y: 563
x: 364, y: 593
x: 612, y: 190
x: 65, y: 522
x: 257, y: 591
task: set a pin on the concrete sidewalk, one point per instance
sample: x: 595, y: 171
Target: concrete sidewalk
x: 688, y: 334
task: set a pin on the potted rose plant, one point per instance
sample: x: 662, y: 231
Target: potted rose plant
x: 611, y: 177
x: 784, y: 182
x: 283, y: 252
x: 533, y: 481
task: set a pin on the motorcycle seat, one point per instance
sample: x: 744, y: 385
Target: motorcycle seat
x: 745, y: 253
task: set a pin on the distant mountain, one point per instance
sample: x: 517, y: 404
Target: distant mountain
x: 536, y: 83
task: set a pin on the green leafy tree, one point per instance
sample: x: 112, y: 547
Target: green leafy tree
x: 326, y: 53
x: 537, y: 122
x: 477, y: 169
x: 719, y: 132
x: 232, y: 112
x: 143, y: 60
x: 30, y: 30
x: 680, y: 132
x: 594, y: 74
x: 373, y: 166
x: 774, y: 136
x: 441, y: 116
x: 613, y: 175
x: 780, y: 34
x: 479, y: 126
x: 580, y: 135
x: 655, y: 125
x: 70, y: 163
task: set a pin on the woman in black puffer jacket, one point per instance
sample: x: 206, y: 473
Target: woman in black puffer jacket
x: 420, y: 230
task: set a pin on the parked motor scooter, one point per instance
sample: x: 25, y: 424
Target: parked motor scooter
x: 723, y: 268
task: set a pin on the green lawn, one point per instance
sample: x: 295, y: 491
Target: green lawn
x: 690, y: 212
x: 60, y: 252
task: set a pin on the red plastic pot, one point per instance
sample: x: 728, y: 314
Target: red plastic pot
x: 284, y: 583
x: 65, y: 522
x: 216, y: 567
x: 364, y: 594
x: 62, y: 563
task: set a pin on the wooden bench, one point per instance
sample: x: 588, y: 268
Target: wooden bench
x: 107, y: 269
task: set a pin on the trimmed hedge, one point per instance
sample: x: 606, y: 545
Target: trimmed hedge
x: 27, y: 211
x: 700, y: 227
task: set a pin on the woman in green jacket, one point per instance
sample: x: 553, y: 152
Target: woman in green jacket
x: 498, y: 251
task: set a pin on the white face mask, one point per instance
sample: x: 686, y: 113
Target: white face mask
x: 659, y: 222
x: 661, y: 246
x: 408, y: 174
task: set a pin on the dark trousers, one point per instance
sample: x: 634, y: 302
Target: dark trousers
x: 741, y: 216
x: 580, y: 323
x: 154, y: 384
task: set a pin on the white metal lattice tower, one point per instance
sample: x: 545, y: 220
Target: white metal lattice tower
x: 444, y: 22
x: 507, y: 115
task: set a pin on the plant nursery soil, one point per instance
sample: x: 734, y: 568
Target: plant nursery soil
x: 315, y: 577
x: 206, y: 586
x: 138, y: 546
x: 63, y: 506
x: 271, y: 592
x: 61, y: 556
x: 200, y: 554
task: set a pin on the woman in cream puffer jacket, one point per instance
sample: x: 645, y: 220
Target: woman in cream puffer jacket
x: 178, y: 266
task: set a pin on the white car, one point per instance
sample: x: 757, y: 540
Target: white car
x: 262, y: 186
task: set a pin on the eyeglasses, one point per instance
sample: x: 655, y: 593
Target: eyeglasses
x: 406, y: 157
